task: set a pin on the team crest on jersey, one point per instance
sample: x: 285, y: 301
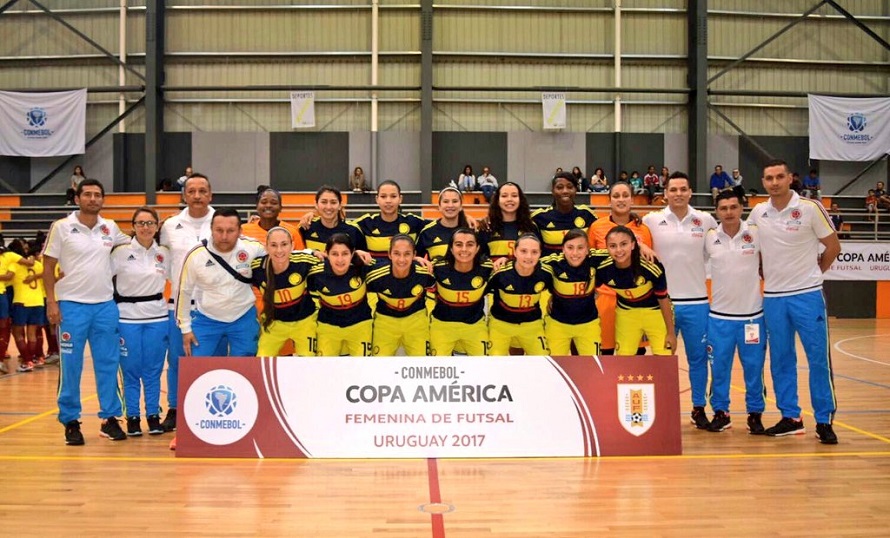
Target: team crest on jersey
x: 242, y: 256
x: 579, y: 222
x: 355, y: 282
x: 477, y: 282
x: 295, y: 279
x: 417, y: 290
x: 122, y: 341
x: 159, y: 258
x: 795, y: 214
x: 404, y: 228
x: 538, y: 287
x: 746, y: 237
x: 104, y: 229
x: 696, y: 221
x: 640, y: 280
x: 66, y: 336
x: 636, y: 407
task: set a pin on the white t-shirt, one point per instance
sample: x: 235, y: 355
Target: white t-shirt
x: 680, y: 246
x: 789, y: 241
x: 735, y: 273
x: 85, y: 256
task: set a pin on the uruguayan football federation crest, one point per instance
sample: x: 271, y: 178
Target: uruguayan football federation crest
x: 636, y: 407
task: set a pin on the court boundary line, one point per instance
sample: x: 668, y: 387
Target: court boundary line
x: 837, y: 344
x: 436, y: 519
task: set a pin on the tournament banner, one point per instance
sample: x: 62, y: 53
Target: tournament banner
x: 554, y: 109
x: 849, y: 128
x: 861, y: 261
x: 43, y: 124
x: 410, y: 407
x: 302, y: 110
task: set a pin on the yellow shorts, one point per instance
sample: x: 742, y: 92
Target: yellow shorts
x: 301, y: 332
x: 411, y: 332
x: 560, y: 336
x: 445, y: 335
x: 529, y: 336
x: 630, y: 325
x: 354, y: 341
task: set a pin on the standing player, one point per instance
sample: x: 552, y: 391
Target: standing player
x: 573, y: 316
x: 678, y: 233
x: 401, y: 286
x: 555, y: 221
x: 509, y: 217
x: 180, y: 234
x: 433, y: 239
x: 329, y: 221
x: 217, y: 275
x: 458, y: 319
x: 516, y: 303
x: 791, y: 230
x: 379, y: 228
x: 82, y: 305
x: 736, y: 318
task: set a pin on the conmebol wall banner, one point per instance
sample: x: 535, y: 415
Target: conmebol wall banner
x: 849, y: 129
x: 43, y: 124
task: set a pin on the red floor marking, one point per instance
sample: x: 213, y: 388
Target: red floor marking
x: 437, y: 520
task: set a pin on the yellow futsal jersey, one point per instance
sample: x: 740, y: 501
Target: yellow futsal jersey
x: 31, y: 293
x: 433, y: 240
x: 460, y: 296
x: 317, y: 235
x: 342, y: 299
x: 378, y: 233
x: 574, y: 301
x: 499, y: 243
x: 291, y: 300
x: 400, y: 297
x: 517, y: 298
x: 8, y: 260
x: 634, y: 291
x: 554, y: 225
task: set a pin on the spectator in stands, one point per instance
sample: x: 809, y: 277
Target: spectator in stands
x: 466, y: 182
x: 812, y: 187
x: 737, y: 186
x: 165, y: 185
x: 580, y: 181
x: 665, y: 175
x: 882, y: 200
x: 837, y: 220
x: 76, y: 178
x: 720, y: 181
x: 181, y: 181
x: 637, y: 183
x: 357, y: 181
x: 622, y: 176
x: 487, y: 182
x: 652, y: 183
x: 871, y: 203
x: 796, y: 183
x: 598, y: 181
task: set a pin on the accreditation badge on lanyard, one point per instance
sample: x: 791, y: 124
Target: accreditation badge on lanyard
x: 752, y: 333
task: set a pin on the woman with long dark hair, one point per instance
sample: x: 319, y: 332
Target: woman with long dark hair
x: 458, y: 318
x: 509, y: 216
x: 644, y: 306
x: 401, y: 285
x: 435, y: 236
x: 329, y: 219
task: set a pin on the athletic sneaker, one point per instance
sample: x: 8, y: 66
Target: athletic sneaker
x: 26, y: 366
x: 169, y: 423
x: 154, y: 425
x: 39, y: 362
x: 134, y: 426
x: 112, y: 430
x: 53, y: 359
x: 786, y: 426
x: 700, y: 418
x: 720, y: 422
x: 826, y: 434
x: 73, y: 436
x: 755, y: 425
x: 4, y: 369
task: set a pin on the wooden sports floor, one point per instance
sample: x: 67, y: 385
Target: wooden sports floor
x: 725, y: 484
